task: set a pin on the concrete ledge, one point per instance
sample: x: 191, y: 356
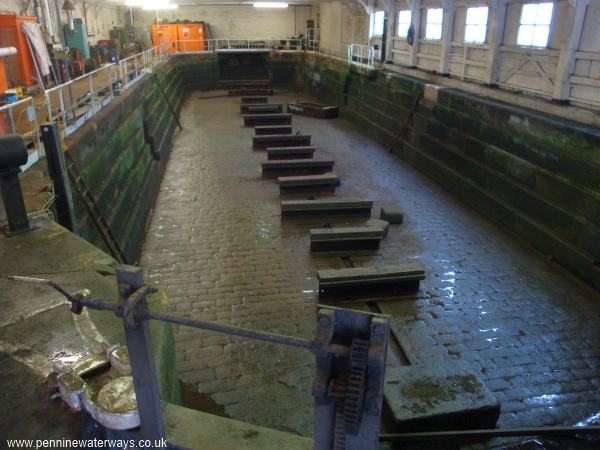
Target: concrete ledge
x: 197, y: 430
x: 253, y: 120
x: 301, y: 152
x: 263, y: 130
x: 282, y: 168
x: 447, y: 396
x: 280, y: 140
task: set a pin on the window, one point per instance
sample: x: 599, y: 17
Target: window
x: 435, y: 17
x: 404, y: 19
x: 534, y: 27
x: 476, y: 26
x: 377, y: 23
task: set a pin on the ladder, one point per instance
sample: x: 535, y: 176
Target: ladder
x: 94, y: 211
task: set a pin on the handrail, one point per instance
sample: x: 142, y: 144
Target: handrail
x: 20, y: 118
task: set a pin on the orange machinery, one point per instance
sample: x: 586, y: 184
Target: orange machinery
x: 179, y: 33
x: 19, y: 68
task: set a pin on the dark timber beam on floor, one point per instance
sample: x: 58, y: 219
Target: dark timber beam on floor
x: 301, y: 152
x: 308, y: 184
x: 345, y: 239
x: 253, y: 120
x: 370, y: 282
x: 326, y: 208
x: 262, y: 130
x: 282, y: 168
x: 280, y: 140
x: 266, y: 108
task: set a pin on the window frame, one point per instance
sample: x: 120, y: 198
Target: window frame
x: 441, y: 24
x: 372, y: 33
x: 550, y: 25
x: 487, y: 24
x: 398, y: 35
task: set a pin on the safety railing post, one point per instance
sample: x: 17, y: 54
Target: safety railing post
x: 130, y: 280
x: 91, y: 87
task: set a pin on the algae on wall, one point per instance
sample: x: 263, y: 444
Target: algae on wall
x: 533, y: 173
x: 117, y: 163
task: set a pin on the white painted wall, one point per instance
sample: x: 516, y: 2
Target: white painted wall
x: 531, y: 70
x: 240, y: 21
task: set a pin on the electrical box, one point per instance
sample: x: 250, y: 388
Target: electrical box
x: 78, y: 38
x: 19, y: 68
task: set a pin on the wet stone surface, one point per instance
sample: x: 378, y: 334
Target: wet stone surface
x: 217, y: 245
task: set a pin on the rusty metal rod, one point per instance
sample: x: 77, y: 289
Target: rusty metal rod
x: 489, y: 433
x: 233, y: 330
x: 101, y: 305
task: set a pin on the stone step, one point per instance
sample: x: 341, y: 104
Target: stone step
x: 326, y: 208
x: 252, y: 120
x: 245, y: 107
x: 250, y: 91
x: 443, y: 396
x: 267, y: 108
x: 262, y: 130
x: 291, y: 167
x: 302, y: 152
x: 370, y: 282
x: 254, y: 100
x: 345, y: 239
x: 309, y: 183
x: 279, y: 140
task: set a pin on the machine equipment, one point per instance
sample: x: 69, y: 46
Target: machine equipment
x: 350, y: 348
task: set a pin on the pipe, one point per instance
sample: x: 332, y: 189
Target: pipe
x: 7, y: 51
x: 47, y: 18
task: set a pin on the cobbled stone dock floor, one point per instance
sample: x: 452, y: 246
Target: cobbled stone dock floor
x: 216, y: 243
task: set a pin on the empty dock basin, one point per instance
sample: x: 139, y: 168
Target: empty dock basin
x: 326, y: 208
x: 279, y: 140
x: 262, y: 130
x: 308, y: 184
x: 300, y: 152
x: 370, y: 282
x: 253, y: 120
x: 295, y: 167
x: 344, y: 239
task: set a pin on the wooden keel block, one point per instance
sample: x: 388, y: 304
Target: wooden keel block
x: 279, y: 140
x: 253, y: 120
x: 326, y: 208
x: 345, y: 239
x: 295, y: 167
x: 309, y: 183
x: 370, y: 282
x: 302, y: 152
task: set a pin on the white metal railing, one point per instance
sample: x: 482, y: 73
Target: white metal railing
x: 77, y: 101
x: 362, y: 55
x: 20, y: 118
x: 233, y: 45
